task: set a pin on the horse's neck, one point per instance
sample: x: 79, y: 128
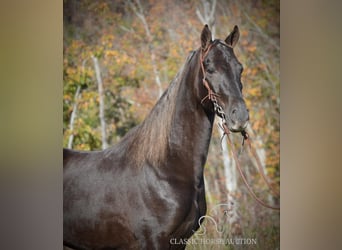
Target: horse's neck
x: 191, y: 126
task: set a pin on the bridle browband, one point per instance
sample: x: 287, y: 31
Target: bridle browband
x: 213, y: 97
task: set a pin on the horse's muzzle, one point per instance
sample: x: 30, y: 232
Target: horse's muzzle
x: 238, y: 118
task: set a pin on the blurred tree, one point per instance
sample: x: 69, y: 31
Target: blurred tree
x: 139, y: 12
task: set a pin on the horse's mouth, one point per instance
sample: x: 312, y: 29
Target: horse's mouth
x: 238, y: 127
x: 236, y: 130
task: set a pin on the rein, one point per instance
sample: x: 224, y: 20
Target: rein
x: 212, y: 96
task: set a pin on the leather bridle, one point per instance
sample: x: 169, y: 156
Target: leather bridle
x: 212, y: 96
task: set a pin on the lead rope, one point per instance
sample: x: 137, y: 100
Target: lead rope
x: 255, y: 155
x: 219, y: 111
x: 226, y: 132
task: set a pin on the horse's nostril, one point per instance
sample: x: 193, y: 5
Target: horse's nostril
x: 247, y: 114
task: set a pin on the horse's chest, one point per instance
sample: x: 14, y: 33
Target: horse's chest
x: 191, y: 211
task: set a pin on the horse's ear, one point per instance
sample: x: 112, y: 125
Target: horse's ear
x: 205, y: 37
x: 233, y: 37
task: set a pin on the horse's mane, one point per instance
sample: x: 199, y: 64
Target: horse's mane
x: 148, y: 141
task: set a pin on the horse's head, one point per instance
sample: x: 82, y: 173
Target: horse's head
x: 222, y: 78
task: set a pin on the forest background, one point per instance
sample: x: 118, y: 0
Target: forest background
x: 119, y: 56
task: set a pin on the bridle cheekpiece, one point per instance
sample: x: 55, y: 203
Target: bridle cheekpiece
x: 212, y: 96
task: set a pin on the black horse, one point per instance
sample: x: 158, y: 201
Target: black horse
x: 147, y: 192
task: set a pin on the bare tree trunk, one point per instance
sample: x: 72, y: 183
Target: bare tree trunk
x: 208, y: 15
x: 139, y: 12
x: 207, y: 190
x: 100, y: 89
x: 73, y: 116
x: 229, y: 167
x: 231, y: 186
